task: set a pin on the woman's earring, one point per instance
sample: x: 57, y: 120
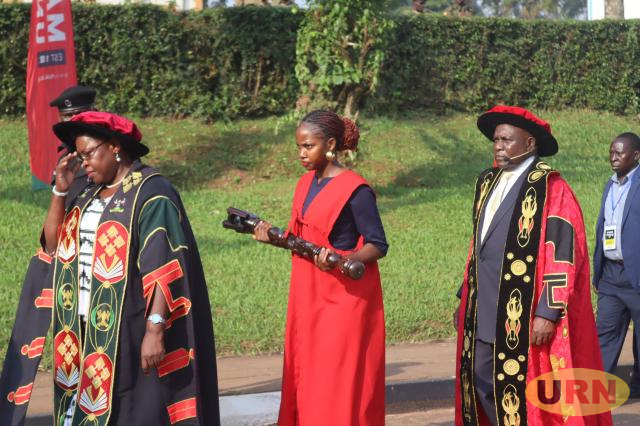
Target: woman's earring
x: 330, y: 155
x: 118, y: 159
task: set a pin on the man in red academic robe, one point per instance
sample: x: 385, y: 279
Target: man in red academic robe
x: 525, y: 306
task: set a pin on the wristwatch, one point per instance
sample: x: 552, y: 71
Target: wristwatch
x: 156, y: 319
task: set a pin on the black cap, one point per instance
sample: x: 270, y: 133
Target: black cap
x: 75, y: 99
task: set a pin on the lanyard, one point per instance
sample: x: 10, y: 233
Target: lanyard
x: 622, y: 194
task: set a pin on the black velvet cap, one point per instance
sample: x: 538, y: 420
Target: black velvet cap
x: 75, y: 98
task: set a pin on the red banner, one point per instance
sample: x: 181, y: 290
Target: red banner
x: 51, y: 68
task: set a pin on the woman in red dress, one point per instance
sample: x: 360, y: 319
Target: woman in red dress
x: 335, y: 340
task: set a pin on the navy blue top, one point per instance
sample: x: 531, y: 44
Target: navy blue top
x: 359, y: 216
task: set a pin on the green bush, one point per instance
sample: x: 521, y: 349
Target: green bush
x: 147, y: 60
x: 14, y: 39
x: 221, y: 62
x: 230, y: 62
x: 470, y: 64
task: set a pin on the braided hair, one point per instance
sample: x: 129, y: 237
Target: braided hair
x: 342, y: 129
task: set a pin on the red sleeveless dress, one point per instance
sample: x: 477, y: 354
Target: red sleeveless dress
x: 335, y: 340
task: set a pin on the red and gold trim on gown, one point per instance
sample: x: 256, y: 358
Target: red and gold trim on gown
x: 335, y: 339
x: 556, y: 263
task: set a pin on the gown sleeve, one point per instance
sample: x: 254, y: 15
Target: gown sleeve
x: 564, y: 253
x: 163, y: 255
x: 164, y: 261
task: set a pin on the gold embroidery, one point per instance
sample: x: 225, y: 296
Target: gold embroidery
x: 525, y: 223
x: 111, y: 241
x: 518, y: 267
x: 567, y: 411
x: 511, y: 404
x: 98, y: 373
x: 511, y: 367
x: 103, y: 319
x: 70, y: 227
x: 542, y: 169
x: 67, y: 298
x: 484, y: 189
x: 557, y: 363
x: 131, y: 180
x: 514, y: 312
x: 136, y: 177
x: 467, y: 395
x: 68, y: 349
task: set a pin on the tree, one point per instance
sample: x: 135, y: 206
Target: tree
x: 420, y: 6
x: 531, y: 9
x: 614, y: 9
x: 340, y: 50
x: 460, y: 8
x: 264, y: 2
x: 250, y: 2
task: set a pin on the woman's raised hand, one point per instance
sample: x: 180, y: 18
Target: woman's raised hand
x: 66, y: 171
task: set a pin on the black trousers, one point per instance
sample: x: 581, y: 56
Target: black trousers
x: 618, y: 304
x: 483, y: 365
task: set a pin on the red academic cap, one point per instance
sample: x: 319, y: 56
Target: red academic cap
x: 104, y: 125
x: 519, y: 117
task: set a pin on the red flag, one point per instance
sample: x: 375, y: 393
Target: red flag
x: 51, y: 68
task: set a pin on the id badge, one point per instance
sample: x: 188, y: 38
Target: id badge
x: 610, y: 237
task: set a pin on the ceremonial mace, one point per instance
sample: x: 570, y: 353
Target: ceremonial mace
x: 245, y: 223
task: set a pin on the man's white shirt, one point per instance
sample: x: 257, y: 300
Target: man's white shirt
x: 507, y: 180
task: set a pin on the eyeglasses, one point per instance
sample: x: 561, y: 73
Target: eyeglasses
x: 89, y: 155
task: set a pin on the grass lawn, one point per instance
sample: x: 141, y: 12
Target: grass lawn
x: 422, y: 167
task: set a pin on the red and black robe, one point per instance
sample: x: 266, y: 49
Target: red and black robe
x: 546, y: 251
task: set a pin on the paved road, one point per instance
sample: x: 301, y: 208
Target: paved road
x: 407, y: 365
x: 625, y: 415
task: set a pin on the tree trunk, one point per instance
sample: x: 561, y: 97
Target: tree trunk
x: 352, y: 104
x: 614, y: 9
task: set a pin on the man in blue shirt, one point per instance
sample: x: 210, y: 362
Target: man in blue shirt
x: 616, y: 259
